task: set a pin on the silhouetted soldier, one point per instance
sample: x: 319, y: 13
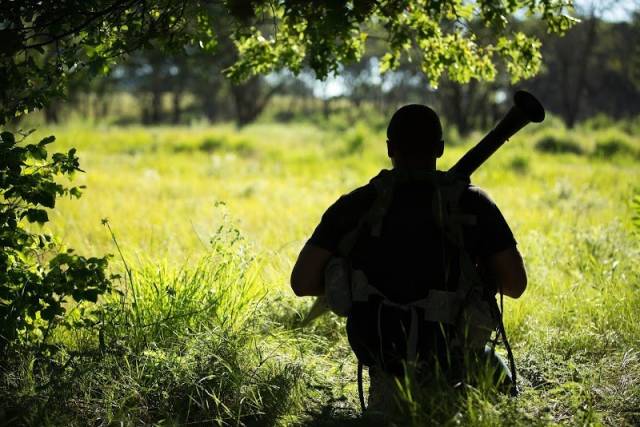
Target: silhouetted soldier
x: 414, y: 259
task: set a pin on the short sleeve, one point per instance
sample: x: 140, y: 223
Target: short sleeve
x: 491, y: 233
x: 342, y: 217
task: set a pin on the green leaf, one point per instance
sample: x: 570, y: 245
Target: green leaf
x: 75, y: 192
x: 37, y: 215
x: 38, y: 152
x: 47, y: 140
x: 46, y: 198
x: 91, y: 295
x: 49, y: 313
x: 8, y: 138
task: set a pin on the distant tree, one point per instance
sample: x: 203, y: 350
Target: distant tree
x: 593, y: 69
x: 612, y: 86
x: 575, y: 61
x: 152, y: 75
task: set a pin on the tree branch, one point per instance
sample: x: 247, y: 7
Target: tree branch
x: 107, y: 11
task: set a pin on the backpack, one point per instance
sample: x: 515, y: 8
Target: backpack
x: 447, y: 321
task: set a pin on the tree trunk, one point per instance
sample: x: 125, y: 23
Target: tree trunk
x: 573, y: 88
x: 326, y: 108
x: 250, y: 100
x: 176, y: 100
x: 51, y: 113
x: 460, y: 113
x: 155, y: 111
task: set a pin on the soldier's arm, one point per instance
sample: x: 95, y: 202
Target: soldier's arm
x: 307, y: 277
x: 506, y: 269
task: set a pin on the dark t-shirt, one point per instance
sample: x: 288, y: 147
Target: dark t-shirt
x: 408, y: 258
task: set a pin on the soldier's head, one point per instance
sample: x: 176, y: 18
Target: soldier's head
x: 414, y: 137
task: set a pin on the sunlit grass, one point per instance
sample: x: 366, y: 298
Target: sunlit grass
x: 167, y: 192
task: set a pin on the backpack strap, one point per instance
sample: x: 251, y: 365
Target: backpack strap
x: 475, y: 319
x: 384, y: 184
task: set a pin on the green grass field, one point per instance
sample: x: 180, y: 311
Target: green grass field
x: 210, y: 220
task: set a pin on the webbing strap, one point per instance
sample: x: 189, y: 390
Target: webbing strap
x: 438, y: 306
x: 375, y: 217
x: 383, y: 183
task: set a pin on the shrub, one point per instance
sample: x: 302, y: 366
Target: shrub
x: 519, y: 164
x: 284, y: 116
x: 631, y: 126
x: 613, y: 143
x: 557, y: 143
x: 216, y: 143
x: 598, y: 122
x: 35, y: 294
x: 211, y: 144
x: 355, y: 139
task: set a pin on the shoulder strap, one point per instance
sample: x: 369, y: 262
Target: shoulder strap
x: 383, y: 183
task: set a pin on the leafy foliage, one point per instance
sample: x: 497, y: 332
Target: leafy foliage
x: 47, y: 43
x: 440, y: 36
x: 34, y: 293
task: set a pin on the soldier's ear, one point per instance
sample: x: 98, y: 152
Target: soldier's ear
x: 439, y: 149
x: 390, y: 150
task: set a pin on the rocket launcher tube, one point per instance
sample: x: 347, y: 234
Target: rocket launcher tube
x: 527, y: 109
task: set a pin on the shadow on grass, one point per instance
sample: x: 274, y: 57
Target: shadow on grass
x: 333, y: 414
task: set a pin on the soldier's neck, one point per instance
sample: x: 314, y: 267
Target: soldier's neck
x: 414, y: 163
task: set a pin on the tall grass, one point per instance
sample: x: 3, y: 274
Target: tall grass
x: 182, y: 345
x: 203, y: 328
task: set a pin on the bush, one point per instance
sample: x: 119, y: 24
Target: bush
x: 631, y: 126
x: 557, y: 143
x: 355, y: 139
x: 613, y: 143
x: 210, y: 144
x: 219, y: 142
x: 519, y: 164
x: 599, y: 122
x: 35, y: 295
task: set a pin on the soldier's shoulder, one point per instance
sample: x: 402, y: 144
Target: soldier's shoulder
x: 356, y: 200
x: 368, y: 191
x: 476, y: 197
x: 360, y: 197
x: 475, y: 191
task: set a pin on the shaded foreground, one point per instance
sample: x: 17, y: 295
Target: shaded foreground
x: 205, y: 330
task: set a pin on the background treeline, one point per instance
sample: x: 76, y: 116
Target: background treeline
x: 593, y: 71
